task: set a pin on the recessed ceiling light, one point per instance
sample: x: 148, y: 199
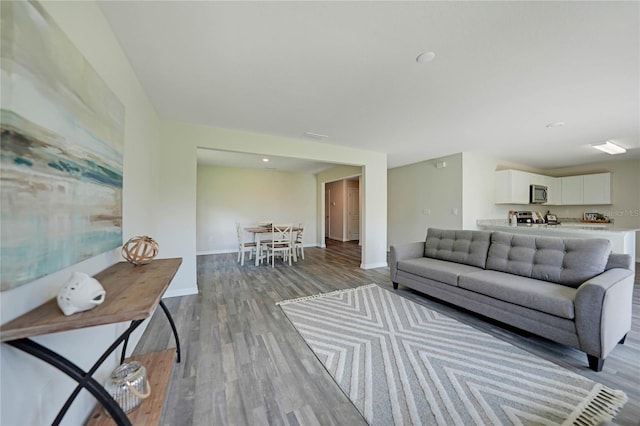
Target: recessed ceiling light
x: 425, y: 57
x: 316, y: 135
x: 610, y: 148
x: 556, y: 124
x: 265, y: 160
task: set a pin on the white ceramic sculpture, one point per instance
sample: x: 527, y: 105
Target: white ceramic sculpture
x: 80, y: 293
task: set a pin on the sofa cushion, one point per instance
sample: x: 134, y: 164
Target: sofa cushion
x: 438, y: 270
x: 542, y: 296
x: 466, y: 247
x: 567, y: 261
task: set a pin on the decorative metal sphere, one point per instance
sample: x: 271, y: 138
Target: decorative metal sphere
x: 140, y: 250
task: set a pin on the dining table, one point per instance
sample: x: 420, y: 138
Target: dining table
x: 258, y: 231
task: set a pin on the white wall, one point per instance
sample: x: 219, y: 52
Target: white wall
x: 229, y: 195
x: 33, y: 392
x: 478, y: 189
x: 421, y: 195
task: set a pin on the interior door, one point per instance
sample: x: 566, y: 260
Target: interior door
x: 327, y: 209
x: 353, y: 213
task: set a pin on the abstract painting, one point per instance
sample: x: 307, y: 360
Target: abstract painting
x: 61, y: 151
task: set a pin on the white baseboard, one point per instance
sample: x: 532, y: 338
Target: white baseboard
x: 225, y: 251
x: 373, y: 265
x: 181, y: 292
x: 205, y: 252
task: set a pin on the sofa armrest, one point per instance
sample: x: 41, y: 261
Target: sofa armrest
x: 618, y: 260
x: 603, y: 311
x: 404, y: 251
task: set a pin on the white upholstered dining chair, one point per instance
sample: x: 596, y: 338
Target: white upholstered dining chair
x: 243, y: 247
x: 298, y: 247
x: 281, y: 243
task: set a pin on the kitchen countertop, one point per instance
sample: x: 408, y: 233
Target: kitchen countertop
x: 503, y: 224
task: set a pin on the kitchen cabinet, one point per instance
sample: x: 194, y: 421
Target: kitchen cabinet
x: 586, y: 189
x: 554, y: 190
x: 596, y: 188
x: 512, y: 187
x: 572, y: 190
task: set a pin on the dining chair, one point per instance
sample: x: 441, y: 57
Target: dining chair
x: 243, y: 247
x: 281, y: 242
x: 298, y: 247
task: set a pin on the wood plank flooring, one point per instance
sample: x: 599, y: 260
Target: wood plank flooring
x: 244, y: 364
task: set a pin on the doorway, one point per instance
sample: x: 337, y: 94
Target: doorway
x: 327, y: 212
x: 342, y: 209
x: 353, y: 213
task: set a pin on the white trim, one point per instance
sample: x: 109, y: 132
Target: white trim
x: 203, y: 252
x: 373, y: 265
x: 225, y: 251
x: 181, y: 292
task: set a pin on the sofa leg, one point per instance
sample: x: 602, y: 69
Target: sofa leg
x: 395, y: 286
x: 621, y: 342
x: 595, y: 363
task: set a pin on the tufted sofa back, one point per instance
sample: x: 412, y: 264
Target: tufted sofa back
x: 567, y: 261
x: 468, y: 247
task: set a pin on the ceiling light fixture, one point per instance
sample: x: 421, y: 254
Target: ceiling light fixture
x: 265, y: 160
x: 425, y: 57
x: 610, y: 148
x: 315, y: 135
x: 556, y: 124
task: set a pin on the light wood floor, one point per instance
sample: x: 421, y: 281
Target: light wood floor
x: 244, y: 364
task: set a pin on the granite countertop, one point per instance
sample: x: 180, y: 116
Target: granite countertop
x: 570, y: 226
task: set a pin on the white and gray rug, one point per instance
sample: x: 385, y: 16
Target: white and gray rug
x: 402, y: 363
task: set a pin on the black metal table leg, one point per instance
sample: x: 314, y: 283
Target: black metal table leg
x: 123, y: 337
x: 173, y: 327
x: 76, y: 373
x: 124, y: 345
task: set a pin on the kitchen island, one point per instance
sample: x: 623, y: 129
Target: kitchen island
x: 623, y: 239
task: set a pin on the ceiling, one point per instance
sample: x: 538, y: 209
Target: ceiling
x: 502, y: 71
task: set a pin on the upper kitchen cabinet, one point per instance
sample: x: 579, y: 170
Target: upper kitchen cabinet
x: 586, y: 189
x: 554, y: 190
x: 596, y: 188
x: 512, y: 187
x: 572, y: 190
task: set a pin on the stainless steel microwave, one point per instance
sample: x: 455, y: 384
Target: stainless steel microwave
x: 537, y: 194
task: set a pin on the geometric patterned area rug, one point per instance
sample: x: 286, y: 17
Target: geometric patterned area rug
x: 404, y: 364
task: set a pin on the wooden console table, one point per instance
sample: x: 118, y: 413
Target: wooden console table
x: 133, y: 293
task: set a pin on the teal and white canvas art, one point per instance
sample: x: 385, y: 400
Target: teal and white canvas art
x: 61, y: 152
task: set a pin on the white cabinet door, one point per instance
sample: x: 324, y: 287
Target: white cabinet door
x: 572, y: 190
x: 554, y: 190
x: 520, y: 187
x: 512, y: 187
x: 502, y: 186
x: 597, y: 188
x: 535, y: 179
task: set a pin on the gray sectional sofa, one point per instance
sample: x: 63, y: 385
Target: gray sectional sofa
x: 573, y: 291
